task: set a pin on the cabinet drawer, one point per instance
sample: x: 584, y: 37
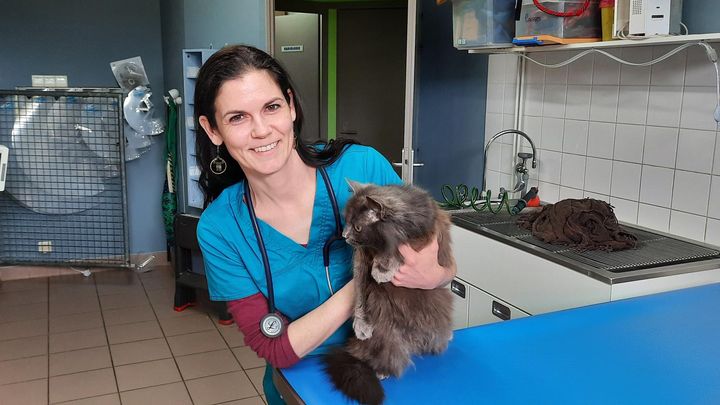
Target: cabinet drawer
x: 483, y: 308
x: 460, y: 304
x: 473, y: 306
x: 532, y: 283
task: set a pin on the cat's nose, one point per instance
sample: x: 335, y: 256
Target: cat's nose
x: 345, y: 233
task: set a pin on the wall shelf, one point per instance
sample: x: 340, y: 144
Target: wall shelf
x: 667, y: 40
x: 192, y: 196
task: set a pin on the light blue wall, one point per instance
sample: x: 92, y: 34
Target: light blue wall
x: 79, y: 38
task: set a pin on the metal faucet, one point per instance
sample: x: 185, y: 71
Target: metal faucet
x: 521, y: 170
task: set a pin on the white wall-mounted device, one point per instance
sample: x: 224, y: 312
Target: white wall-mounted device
x: 653, y: 17
x: 3, y: 165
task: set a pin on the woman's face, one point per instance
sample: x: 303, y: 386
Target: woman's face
x: 254, y: 122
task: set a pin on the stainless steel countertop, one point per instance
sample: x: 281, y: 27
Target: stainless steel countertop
x: 500, y: 227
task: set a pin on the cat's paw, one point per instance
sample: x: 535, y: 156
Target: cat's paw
x: 362, y: 329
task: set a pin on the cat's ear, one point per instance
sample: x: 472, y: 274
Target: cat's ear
x: 355, y: 186
x: 376, y: 206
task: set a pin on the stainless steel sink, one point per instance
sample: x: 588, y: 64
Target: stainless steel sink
x: 656, y: 254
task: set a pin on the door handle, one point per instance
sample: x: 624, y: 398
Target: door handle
x: 398, y: 164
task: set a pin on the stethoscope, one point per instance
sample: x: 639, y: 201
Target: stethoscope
x: 271, y: 324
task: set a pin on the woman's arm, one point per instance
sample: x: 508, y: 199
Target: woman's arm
x: 421, y: 268
x: 311, y: 330
x: 302, y: 335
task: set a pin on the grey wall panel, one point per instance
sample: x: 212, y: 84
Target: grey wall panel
x: 304, y: 67
x: 371, y: 46
x: 449, y: 104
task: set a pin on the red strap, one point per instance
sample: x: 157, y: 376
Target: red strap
x: 247, y: 313
x: 571, y: 13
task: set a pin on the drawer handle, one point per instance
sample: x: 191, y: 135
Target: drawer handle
x: 500, y: 310
x: 457, y: 289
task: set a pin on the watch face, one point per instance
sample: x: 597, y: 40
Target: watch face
x: 271, y: 325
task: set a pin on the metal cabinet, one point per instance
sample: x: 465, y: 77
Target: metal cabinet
x: 191, y: 197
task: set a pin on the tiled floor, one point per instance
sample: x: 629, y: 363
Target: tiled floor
x: 114, y: 338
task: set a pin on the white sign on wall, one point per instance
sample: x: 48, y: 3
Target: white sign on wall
x: 291, y: 48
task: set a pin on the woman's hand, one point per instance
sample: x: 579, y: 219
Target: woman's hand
x: 421, y: 268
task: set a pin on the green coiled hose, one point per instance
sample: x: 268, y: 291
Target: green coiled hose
x: 462, y: 197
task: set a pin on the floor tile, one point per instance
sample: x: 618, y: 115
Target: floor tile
x: 79, y: 360
x: 109, y: 399
x: 246, y: 401
x: 76, y: 322
x: 22, y: 285
x: 169, y: 394
x: 256, y: 376
x: 131, y: 332
x: 81, y: 339
x: 133, y: 287
x: 13, y: 298
x: 72, y: 306
x: 133, y: 299
x: 148, y: 374
x: 121, y: 316
x: 24, y: 312
x: 220, y: 388
x: 248, y: 358
x: 21, y: 329
x: 25, y: 393
x: 25, y: 347
x: 196, y: 343
x: 187, y: 324
x: 206, y: 364
x: 159, y: 283
x: 84, y: 295
x: 25, y: 369
x: 232, y: 335
x: 82, y: 385
x: 71, y: 280
x: 140, y: 351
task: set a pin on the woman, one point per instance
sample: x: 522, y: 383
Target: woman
x: 252, y: 159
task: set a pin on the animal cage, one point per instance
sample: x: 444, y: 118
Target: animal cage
x: 65, y: 199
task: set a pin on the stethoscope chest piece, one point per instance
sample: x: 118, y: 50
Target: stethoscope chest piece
x: 271, y: 325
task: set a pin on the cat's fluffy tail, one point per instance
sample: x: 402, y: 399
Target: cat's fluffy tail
x: 354, y: 378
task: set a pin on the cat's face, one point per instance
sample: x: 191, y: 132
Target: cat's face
x: 363, y: 213
x: 359, y: 226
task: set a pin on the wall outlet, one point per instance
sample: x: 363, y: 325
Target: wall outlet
x: 45, y: 246
x: 49, y: 81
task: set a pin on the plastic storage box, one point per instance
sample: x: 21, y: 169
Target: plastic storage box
x: 538, y: 27
x: 483, y: 23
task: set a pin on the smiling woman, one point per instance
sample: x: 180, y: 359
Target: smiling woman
x: 255, y: 124
x: 270, y: 232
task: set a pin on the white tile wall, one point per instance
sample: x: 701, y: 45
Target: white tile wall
x: 642, y: 138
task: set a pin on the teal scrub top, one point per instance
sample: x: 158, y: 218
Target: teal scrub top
x: 233, y: 262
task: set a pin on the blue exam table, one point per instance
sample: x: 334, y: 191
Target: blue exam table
x: 657, y: 349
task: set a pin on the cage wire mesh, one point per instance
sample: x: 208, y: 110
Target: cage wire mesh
x: 65, y: 193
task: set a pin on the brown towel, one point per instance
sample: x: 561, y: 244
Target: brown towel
x: 587, y: 224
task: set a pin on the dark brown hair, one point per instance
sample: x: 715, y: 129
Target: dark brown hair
x: 230, y: 63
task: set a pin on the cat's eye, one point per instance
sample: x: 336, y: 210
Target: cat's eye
x: 358, y: 228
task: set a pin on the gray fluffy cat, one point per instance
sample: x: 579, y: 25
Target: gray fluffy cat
x: 391, y: 323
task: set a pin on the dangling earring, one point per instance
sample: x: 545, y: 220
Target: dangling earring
x: 218, y: 165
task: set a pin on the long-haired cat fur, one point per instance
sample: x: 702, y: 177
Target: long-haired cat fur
x: 391, y: 323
